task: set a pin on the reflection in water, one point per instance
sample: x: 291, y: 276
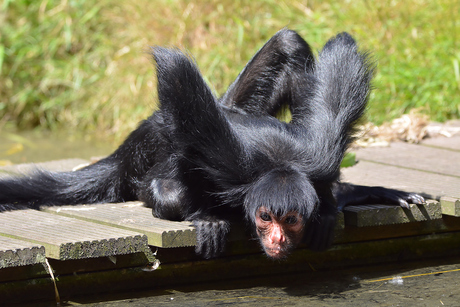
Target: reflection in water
x: 32, y: 146
x: 434, y: 283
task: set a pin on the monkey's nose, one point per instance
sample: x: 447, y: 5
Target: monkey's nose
x: 276, y: 236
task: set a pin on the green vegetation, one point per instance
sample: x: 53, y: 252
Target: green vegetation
x: 83, y: 65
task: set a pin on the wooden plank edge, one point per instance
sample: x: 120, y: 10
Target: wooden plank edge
x: 100, y: 248
x: 165, y: 239
x: 378, y: 215
x: 450, y: 206
x: 93, y: 249
x: 20, y: 253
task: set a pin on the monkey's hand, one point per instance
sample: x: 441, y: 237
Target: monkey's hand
x: 211, y: 237
x: 350, y: 194
x: 397, y: 197
x: 319, y: 233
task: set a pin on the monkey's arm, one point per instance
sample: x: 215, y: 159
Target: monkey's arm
x: 351, y: 194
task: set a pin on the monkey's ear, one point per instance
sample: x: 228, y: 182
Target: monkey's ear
x: 266, y: 81
x: 198, y: 122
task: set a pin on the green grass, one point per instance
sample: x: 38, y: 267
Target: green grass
x: 83, y: 65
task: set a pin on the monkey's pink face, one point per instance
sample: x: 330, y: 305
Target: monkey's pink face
x: 279, y: 234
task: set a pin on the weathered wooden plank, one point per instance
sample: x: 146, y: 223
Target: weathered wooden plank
x: 452, y: 143
x: 15, y: 253
x: 378, y: 215
x: 450, y: 206
x: 430, y: 159
x: 375, y: 174
x: 66, y: 238
x: 134, y: 216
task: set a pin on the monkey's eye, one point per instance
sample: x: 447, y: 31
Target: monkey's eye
x: 291, y: 220
x: 264, y: 216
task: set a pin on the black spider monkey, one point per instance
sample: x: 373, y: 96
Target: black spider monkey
x: 202, y: 159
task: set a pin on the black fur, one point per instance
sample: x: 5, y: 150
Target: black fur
x: 202, y: 159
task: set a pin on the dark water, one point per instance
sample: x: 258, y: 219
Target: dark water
x: 434, y: 283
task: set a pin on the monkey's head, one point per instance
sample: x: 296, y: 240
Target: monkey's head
x: 279, y: 235
x: 279, y: 204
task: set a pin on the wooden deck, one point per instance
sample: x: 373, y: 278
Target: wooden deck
x: 118, y: 247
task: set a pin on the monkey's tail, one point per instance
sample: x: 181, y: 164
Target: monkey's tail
x: 95, y: 183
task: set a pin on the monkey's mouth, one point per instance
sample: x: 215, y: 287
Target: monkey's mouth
x: 277, y: 252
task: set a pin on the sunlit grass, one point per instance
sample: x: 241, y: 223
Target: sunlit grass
x: 84, y: 65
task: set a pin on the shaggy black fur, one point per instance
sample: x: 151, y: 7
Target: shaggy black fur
x: 202, y: 159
